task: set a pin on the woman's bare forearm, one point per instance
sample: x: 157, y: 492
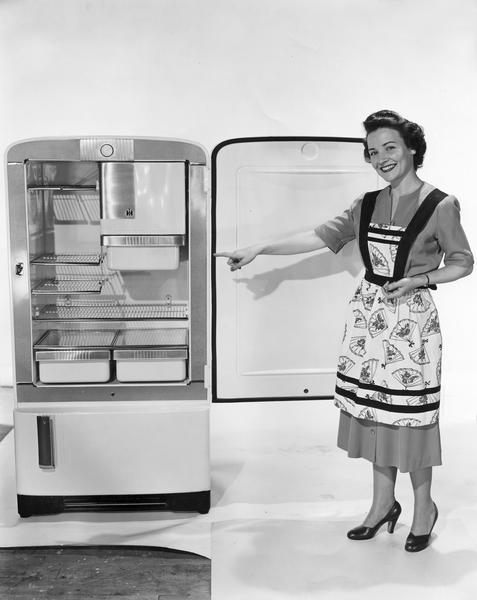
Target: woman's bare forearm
x: 443, y: 275
x: 305, y: 241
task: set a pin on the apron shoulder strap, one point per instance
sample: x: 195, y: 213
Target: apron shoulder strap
x: 367, y: 208
x: 417, y: 224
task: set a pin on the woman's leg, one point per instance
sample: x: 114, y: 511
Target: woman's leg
x: 384, y: 480
x: 423, y: 505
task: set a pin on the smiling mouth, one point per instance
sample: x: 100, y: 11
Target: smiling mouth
x: 387, y: 168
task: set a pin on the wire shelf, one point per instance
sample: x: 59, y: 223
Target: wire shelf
x: 67, y: 259
x: 68, y: 286
x: 113, y: 312
x: 66, y: 188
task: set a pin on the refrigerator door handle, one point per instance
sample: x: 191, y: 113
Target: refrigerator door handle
x: 46, y: 455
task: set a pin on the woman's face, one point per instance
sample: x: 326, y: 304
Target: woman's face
x: 389, y: 155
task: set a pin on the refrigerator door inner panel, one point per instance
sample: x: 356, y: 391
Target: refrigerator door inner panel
x: 278, y: 321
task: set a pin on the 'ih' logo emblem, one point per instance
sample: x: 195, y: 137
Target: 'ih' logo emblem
x: 129, y: 212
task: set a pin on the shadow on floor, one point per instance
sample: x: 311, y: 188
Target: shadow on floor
x: 294, y: 557
x: 223, y: 475
x: 4, y: 430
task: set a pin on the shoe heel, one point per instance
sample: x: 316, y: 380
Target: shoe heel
x: 392, y: 525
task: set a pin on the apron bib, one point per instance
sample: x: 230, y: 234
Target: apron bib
x: 389, y: 367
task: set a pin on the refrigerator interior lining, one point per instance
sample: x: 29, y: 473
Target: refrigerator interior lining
x: 68, y: 205
x: 75, y: 207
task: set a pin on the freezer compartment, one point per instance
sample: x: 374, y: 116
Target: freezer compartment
x: 151, y: 365
x: 143, y: 214
x: 73, y: 366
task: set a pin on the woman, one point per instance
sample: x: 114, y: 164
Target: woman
x: 388, y: 378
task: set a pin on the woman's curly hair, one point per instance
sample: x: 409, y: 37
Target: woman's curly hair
x: 411, y: 133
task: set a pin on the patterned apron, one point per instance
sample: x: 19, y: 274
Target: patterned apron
x: 389, y: 369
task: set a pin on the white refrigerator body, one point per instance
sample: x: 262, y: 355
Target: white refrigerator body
x: 86, y: 440
x: 129, y: 448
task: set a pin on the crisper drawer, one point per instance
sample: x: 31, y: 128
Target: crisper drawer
x: 73, y: 366
x: 151, y: 365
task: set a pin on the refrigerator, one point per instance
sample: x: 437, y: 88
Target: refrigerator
x: 127, y: 327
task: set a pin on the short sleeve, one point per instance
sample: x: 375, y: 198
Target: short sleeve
x: 337, y: 232
x: 450, y: 234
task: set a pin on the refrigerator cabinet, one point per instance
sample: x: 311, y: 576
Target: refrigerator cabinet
x: 108, y: 271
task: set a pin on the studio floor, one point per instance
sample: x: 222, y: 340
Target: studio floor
x: 283, y: 498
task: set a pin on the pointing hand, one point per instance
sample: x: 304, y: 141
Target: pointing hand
x: 238, y: 258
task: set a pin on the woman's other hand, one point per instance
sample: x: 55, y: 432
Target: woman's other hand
x: 239, y: 258
x: 403, y: 286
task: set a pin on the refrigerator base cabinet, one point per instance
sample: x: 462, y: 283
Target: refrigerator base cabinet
x: 130, y: 456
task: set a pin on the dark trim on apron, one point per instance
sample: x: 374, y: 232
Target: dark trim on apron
x: 367, y: 208
x: 387, y: 390
x: 416, y: 225
x: 395, y: 408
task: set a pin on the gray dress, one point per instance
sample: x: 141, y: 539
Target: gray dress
x: 408, y: 448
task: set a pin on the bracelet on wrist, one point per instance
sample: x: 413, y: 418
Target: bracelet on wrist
x: 427, y: 283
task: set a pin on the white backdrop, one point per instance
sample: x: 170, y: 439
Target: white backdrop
x: 214, y: 69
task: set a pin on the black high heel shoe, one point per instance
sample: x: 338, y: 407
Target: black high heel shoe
x: 365, y: 533
x: 416, y: 543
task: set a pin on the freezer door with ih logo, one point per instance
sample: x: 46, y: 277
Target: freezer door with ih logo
x: 277, y: 323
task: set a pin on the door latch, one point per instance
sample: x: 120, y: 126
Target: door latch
x: 19, y: 268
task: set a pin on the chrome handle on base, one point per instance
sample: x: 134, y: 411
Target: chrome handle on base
x: 46, y: 457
